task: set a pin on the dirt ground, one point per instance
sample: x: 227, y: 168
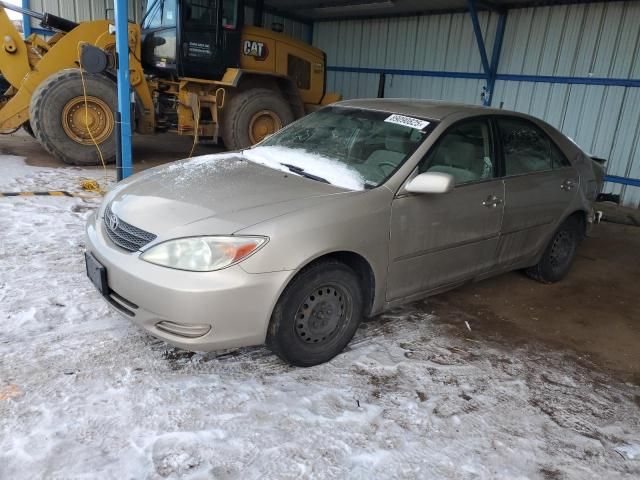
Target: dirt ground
x: 148, y: 151
x: 499, y: 380
x: 594, y: 312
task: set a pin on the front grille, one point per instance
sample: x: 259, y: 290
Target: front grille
x: 125, y: 235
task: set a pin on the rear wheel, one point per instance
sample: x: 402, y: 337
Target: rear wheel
x: 68, y: 125
x: 252, y: 115
x: 558, y: 256
x: 317, y: 315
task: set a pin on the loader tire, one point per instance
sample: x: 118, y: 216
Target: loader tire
x: 59, y: 120
x: 252, y: 115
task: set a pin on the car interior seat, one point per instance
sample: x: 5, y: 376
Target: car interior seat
x: 381, y: 163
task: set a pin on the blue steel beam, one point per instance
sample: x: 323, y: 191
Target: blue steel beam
x: 123, y: 116
x: 473, y: 12
x: 610, y: 82
x: 26, y: 20
x: 495, y: 57
x: 490, y: 70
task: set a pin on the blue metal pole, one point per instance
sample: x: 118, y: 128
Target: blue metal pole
x: 495, y: 57
x: 123, y: 116
x: 26, y: 20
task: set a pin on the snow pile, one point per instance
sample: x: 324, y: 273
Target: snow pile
x: 335, y: 172
x: 84, y: 393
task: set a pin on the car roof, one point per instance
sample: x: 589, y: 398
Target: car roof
x: 431, y: 109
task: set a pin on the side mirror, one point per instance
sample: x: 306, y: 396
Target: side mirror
x: 431, y: 182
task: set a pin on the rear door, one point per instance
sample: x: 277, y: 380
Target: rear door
x: 441, y: 239
x: 540, y: 183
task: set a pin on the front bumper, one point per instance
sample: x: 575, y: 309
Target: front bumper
x: 192, y: 310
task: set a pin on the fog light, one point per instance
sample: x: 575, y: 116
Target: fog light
x: 183, y: 330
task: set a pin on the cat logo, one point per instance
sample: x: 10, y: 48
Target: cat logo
x: 258, y: 50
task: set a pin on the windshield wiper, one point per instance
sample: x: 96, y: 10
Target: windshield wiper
x: 302, y: 173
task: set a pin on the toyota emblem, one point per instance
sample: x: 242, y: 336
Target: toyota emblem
x: 114, y: 222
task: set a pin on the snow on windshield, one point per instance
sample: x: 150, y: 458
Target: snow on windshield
x: 334, y: 172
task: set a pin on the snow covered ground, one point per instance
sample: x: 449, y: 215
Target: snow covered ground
x: 86, y: 394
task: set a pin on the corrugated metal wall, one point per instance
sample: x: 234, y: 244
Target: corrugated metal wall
x: 297, y: 30
x: 600, y: 40
x: 585, y: 40
x: 97, y: 9
x: 435, y: 43
x: 84, y: 9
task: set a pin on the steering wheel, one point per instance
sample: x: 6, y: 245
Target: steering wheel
x: 386, y: 164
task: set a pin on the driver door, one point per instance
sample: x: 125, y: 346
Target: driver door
x: 443, y: 239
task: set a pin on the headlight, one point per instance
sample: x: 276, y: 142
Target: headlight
x: 202, y: 254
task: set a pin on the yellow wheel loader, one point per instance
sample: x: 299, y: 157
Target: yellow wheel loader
x: 195, y: 69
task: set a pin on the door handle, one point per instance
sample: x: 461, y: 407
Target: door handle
x: 492, y: 201
x: 567, y: 185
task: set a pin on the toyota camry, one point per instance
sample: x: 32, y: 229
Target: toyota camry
x: 350, y: 211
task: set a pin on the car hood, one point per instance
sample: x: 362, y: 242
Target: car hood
x: 215, y: 194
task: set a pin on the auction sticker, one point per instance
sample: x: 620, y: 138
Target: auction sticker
x: 407, y: 121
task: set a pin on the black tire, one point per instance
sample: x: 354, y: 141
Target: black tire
x: 307, y: 329
x: 240, y: 110
x: 559, y: 254
x: 46, y: 116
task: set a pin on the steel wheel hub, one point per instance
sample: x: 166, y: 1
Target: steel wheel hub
x: 262, y: 124
x: 560, y: 249
x: 82, y: 122
x: 322, y: 313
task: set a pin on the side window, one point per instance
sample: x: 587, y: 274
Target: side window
x: 526, y: 148
x: 199, y: 13
x: 229, y: 14
x: 153, y: 17
x: 160, y: 14
x: 464, y: 152
x: 169, y: 14
x: 300, y: 71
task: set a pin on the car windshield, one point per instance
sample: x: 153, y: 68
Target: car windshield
x: 349, y: 147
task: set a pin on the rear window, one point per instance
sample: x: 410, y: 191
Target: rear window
x: 527, y: 148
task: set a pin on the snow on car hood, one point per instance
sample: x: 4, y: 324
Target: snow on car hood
x: 334, y: 172
x: 214, y: 194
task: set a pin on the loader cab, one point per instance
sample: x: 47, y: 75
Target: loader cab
x: 192, y: 38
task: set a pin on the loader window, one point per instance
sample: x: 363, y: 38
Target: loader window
x: 230, y: 14
x: 300, y: 71
x: 160, y: 14
x: 169, y: 13
x: 200, y: 12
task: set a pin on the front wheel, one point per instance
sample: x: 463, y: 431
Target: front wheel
x: 317, y: 315
x: 253, y: 115
x: 558, y: 256
x: 68, y: 124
